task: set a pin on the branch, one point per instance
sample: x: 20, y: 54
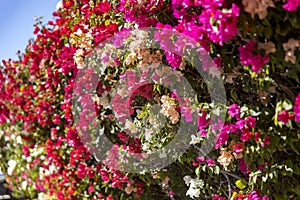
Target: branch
x: 228, y: 183
x: 233, y: 175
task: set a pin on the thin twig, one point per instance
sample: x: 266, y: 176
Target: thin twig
x: 228, y: 182
x: 203, y: 153
x: 233, y: 175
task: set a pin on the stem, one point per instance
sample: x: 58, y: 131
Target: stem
x: 228, y: 183
x: 232, y: 175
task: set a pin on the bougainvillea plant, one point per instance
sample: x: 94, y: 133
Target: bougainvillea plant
x: 254, y: 47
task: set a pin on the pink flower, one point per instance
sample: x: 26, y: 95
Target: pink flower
x: 56, y: 119
x: 291, y: 5
x: 217, y: 197
x: 110, y: 198
x: 247, y: 57
x: 102, y: 7
x: 284, y: 116
x: 254, y: 195
x: 25, y: 150
x: 222, y: 137
x: 243, y: 166
x: 200, y: 159
x: 81, y: 170
x: 218, y: 61
x: 234, y: 110
x: 104, y: 175
x: 194, y: 163
x: 202, y: 121
x: 91, y: 188
x: 220, y: 25
x: 251, y: 121
x: 240, y: 124
x: 265, y: 198
x: 90, y: 173
x: 188, y: 114
x: 135, y: 146
x: 267, y: 141
x: 238, y: 148
x: 210, y: 162
x: 4, y: 113
x: 246, y: 135
x: 297, y: 108
x: 173, y: 59
x: 123, y: 137
x: 261, y: 167
x: 256, y: 136
x: 203, y: 133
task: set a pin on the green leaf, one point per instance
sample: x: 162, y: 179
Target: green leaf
x: 278, y: 196
x: 254, y: 113
x: 197, y: 171
x: 296, y: 169
x: 241, y: 184
x: 234, y: 195
x: 107, y: 22
x: 277, y: 110
x: 268, y: 32
x: 217, y: 170
x: 233, y: 95
x: 293, y: 74
x: 265, y: 178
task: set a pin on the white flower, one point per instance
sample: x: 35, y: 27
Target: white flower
x: 148, y: 134
x: 24, y: 185
x: 29, y: 159
x: 195, y: 139
x: 78, y: 58
x: 52, y: 169
x: 13, y: 136
x: 145, y: 146
x: 59, y: 5
x: 19, y: 139
x: 123, y: 90
x: 187, y: 180
x: 43, y: 196
x: 6, y: 138
x: 130, y: 58
x: 130, y: 126
x: 193, y: 192
x: 104, y: 101
x: 195, y: 186
x: 11, y: 166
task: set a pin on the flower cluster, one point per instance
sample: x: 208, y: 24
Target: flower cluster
x: 194, y: 186
x: 259, y: 7
x: 216, y: 20
x: 290, y: 46
x: 248, y: 58
x: 169, y: 108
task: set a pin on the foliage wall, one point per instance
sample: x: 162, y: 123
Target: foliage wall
x: 254, y: 46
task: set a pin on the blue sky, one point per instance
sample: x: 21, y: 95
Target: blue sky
x: 16, y: 23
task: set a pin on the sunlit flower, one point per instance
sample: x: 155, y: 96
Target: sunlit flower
x: 225, y: 158
x: 259, y: 7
